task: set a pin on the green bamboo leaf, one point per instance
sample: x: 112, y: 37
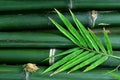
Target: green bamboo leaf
x: 87, y: 41
x: 67, y: 52
x: 75, y: 61
x: 100, y: 45
x: 97, y: 63
x: 108, y: 44
x: 63, y: 60
x: 85, y: 33
x: 84, y: 37
x: 64, y: 53
x: 65, y: 32
x: 88, y: 36
x: 71, y: 28
x: 87, y: 62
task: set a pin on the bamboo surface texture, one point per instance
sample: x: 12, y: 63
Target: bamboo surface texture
x: 44, y: 40
x: 59, y: 4
x: 40, y: 21
x: 31, y: 21
x: 23, y: 56
x: 17, y: 73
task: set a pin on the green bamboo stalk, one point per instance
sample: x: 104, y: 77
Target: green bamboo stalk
x: 23, y: 56
x: 107, y: 18
x: 59, y: 4
x: 38, y: 21
x: 16, y: 73
x: 33, y: 40
x: 45, y: 40
x: 31, y: 5
x: 93, y: 4
x: 34, y: 21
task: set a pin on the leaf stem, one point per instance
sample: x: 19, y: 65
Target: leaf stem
x: 100, y: 52
x: 90, y: 50
x: 114, y: 56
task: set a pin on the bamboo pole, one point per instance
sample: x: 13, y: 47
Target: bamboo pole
x: 17, y: 73
x: 31, y: 5
x: 106, y: 18
x: 59, y: 4
x: 44, y: 40
x: 33, y: 40
x: 39, y: 21
x: 34, y: 21
x: 23, y: 56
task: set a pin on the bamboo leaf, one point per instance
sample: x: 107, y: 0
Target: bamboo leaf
x: 85, y: 33
x: 89, y: 42
x: 63, y: 60
x: 100, y: 45
x: 107, y: 40
x: 74, y: 62
x: 65, y: 32
x: 67, y: 51
x: 71, y: 28
x: 84, y: 37
x: 88, y: 36
x: 97, y: 63
x: 87, y: 62
x: 64, y: 53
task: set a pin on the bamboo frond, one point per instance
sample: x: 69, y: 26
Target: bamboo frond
x: 91, y: 51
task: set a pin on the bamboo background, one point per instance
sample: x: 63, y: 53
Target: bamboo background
x: 27, y: 35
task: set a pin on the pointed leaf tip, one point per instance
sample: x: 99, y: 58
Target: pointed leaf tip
x: 108, y: 43
x: 96, y: 63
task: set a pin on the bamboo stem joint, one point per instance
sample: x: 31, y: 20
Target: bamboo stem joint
x: 51, y: 55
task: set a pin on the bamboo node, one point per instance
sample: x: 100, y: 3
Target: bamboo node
x: 29, y: 67
x: 94, y: 14
x: 93, y: 17
x: 51, y: 55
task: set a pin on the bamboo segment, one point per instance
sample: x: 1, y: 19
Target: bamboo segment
x: 94, y: 19
x: 31, y: 21
x: 93, y: 4
x: 31, y: 5
x: 23, y: 56
x: 35, y: 21
x: 17, y: 73
x: 39, y: 21
x: 19, y: 56
x: 33, y: 40
x: 59, y: 4
x: 44, y: 40
x: 107, y: 18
